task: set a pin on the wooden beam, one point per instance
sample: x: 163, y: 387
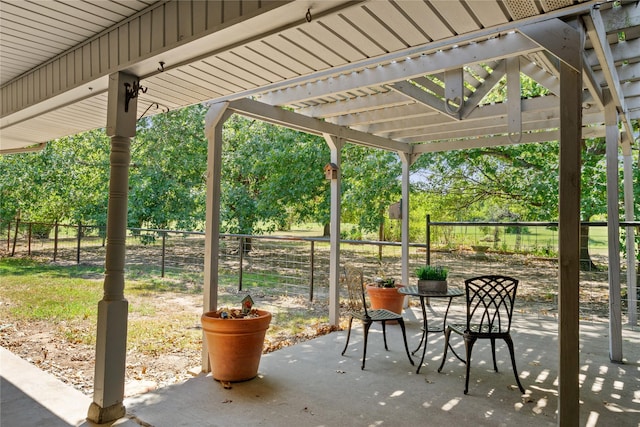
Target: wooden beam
x: 481, y: 91
x: 592, y: 85
x: 493, y: 141
x: 406, y: 160
x: 335, y: 145
x: 279, y: 116
x: 454, y: 92
x: 632, y: 299
x: 613, y: 229
x: 514, y: 103
x: 569, y: 245
x: 412, y: 109
x: 354, y: 105
x: 488, y: 50
x: 487, y: 114
x: 420, y: 96
x: 474, y: 37
x: 540, y: 75
x: 214, y: 120
x: 557, y: 37
x: 598, y: 36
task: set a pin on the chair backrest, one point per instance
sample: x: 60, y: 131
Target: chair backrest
x: 355, y: 288
x: 490, y: 301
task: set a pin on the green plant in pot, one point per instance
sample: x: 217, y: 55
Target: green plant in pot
x: 384, y: 282
x: 383, y: 293
x: 432, y: 278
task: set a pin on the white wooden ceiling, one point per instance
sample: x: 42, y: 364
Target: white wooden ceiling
x: 377, y: 67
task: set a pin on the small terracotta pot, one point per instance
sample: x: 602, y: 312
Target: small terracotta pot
x: 235, y: 345
x: 387, y: 298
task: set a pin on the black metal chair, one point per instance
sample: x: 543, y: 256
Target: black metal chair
x: 490, y: 301
x: 358, y: 310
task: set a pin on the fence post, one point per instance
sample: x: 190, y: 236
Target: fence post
x: 79, y: 239
x: 164, y: 246
x: 15, y: 236
x: 241, y: 253
x: 311, y: 261
x: 29, y: 241
x: 428, y: 239
x: 8, y: 236
x: 55, y: 242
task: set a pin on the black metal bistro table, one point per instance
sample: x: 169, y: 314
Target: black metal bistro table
x: 451, y: 293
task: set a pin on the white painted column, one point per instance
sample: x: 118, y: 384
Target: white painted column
x: 335, y: 144
x: 632, y: 286
x: 613, y: 227
x: 214, y: 121
x: 569, y: 245
x: 111, y: 336
x: 407, y: 160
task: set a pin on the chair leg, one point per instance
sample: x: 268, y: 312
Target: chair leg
x: 493, y: 352
x: 447, y: 335
x: 513, y: 362
x: 366, y: 325
x: 404, y: 337
x: 384, y: 334
x: 348, y: 335
x: 468, y: 345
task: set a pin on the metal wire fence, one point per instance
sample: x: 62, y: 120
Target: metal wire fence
x: 299, y: 267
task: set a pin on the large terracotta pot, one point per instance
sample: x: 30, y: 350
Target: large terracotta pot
x: 387, y: 298
x: 235, y: 345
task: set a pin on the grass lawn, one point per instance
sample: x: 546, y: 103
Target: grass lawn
x: 49, y: 315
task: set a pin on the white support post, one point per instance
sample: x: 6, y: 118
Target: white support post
x: 335, y: 144
x: 214, y: 121
x: 111, y: 335
x: 407, y: 160
x: 514, y: 91
x: 632, y: 285
x: 569, y: 245
x: 613, y: 227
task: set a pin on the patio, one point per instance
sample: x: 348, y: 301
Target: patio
x: 310, y: 384
x: 404, y: 76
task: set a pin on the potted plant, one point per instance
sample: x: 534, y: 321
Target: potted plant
x: 235, y: 339
x: 383, y: 293
x: 432, y: 278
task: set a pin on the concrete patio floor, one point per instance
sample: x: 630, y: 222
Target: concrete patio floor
x: 311, y: 384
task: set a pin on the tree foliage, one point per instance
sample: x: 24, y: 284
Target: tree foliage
x: 167, y: 175
x: 272, y: 177
x: 67, y: 180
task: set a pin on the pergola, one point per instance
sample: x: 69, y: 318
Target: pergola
x: 405, y: 76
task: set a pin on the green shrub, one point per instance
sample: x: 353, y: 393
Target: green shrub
x: 428, y: 272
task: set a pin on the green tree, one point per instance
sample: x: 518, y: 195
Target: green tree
x: 66, y: 181
x: 167, y: 175
x: 271, y: 176
x: 517, y: 182
x: 371, y: 182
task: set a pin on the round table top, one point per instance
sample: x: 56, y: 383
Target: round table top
x: 413, y: 290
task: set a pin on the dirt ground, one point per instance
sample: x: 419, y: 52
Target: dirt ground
x: 72, y: 362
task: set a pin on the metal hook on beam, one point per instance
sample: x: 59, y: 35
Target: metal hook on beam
x: 510, y: 135
x: 165, y: 109
x: 131, y: 92
x: 448, y: 102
